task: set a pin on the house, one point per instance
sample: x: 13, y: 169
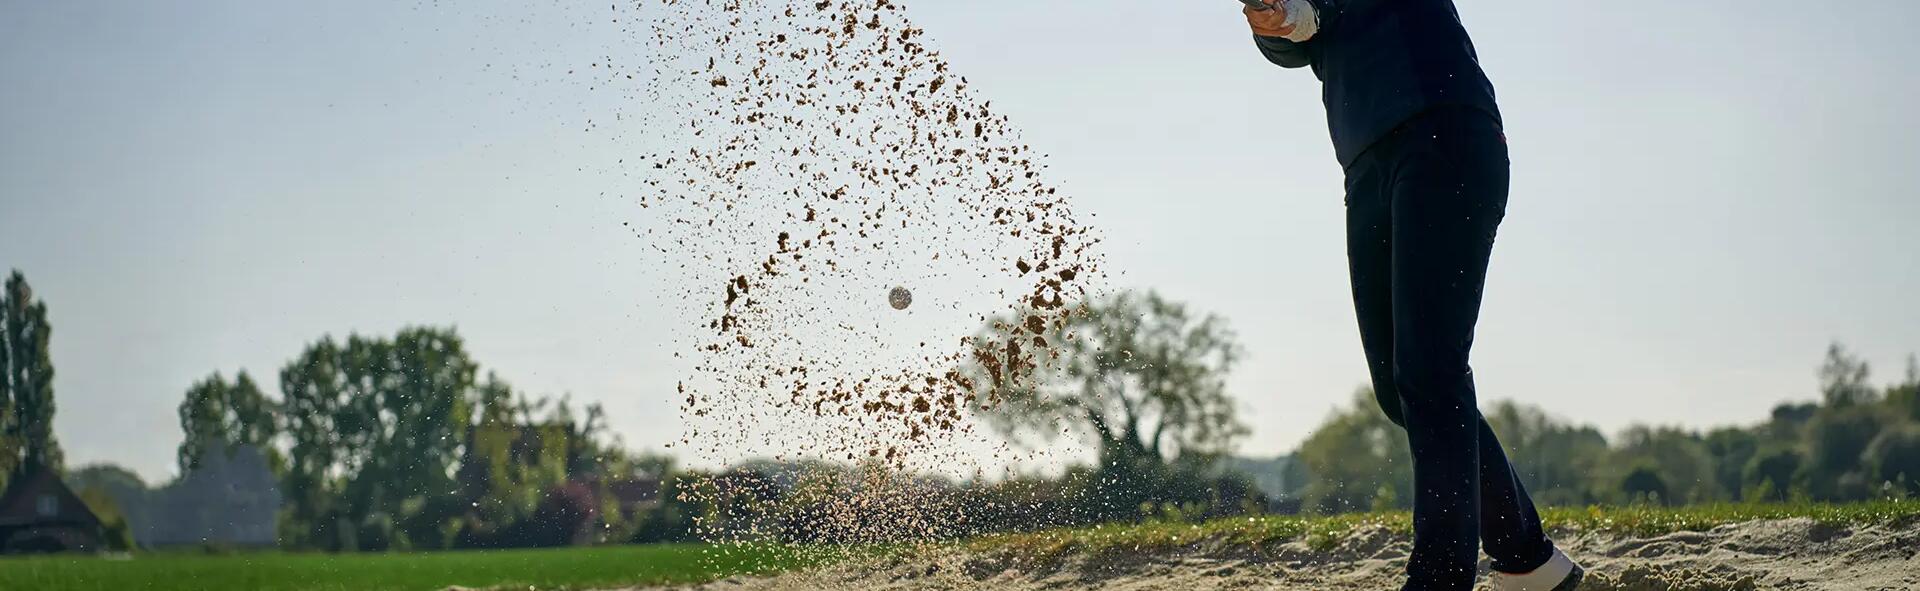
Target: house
x: 39, y: 514
x: 230, y: 499
x: 1280, y: 479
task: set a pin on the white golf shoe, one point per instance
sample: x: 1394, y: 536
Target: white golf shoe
x: 1558, y: 574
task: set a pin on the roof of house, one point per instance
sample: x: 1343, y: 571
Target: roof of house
x: 40, y: 498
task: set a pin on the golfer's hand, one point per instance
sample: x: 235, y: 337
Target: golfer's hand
x: 1271, y: 22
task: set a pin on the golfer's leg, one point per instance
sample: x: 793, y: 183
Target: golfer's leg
x: 1510, y: 528
x: 1449, y: 195
x: 1370, y: 267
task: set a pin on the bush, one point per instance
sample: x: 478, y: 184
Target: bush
x: 1837, y: 438
x: 119, y: 535
x: 1769, y: 476
x: 1894, y: 457
x: 1644, y: 484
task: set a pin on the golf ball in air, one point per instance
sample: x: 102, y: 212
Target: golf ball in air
x: 900, y: 298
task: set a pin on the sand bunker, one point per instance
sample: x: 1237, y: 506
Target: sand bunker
x: 1761, y: 555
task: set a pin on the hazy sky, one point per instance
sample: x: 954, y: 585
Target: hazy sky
x: 1704, y: 196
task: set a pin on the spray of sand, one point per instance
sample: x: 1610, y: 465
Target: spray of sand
x: 814, y: 155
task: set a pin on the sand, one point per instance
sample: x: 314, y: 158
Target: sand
x: 864, y: 253
x: 811, y: 156
x: 1760, y: 555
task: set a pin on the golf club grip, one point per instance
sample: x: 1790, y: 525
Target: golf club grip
x: 1256, y: 4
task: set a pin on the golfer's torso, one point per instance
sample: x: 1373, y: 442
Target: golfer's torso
x: 1387, y: 60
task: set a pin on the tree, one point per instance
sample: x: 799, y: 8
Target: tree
x: 515, y: 456
x: 110, y: 477
x: 1772, y: 474
x: 117, y: 496
x: 1556, y: 460
x: 1894, y: 458
x: 1144, y: 376
x: 1836, y: 438
x: 314, y: 396
x: 375, y: 428
x: 1789, y: 419
x: 1644, y: 483
x: 222, y: 415
x: 9, y: 446
x: 1141, y: 376
x: 1731, y: 448
x: 1843, y: 378
x: 1904, y: 398
x: 1359, y: 460
x: 1678, y: 457
x: 114, y: 523
x: 26, y: 439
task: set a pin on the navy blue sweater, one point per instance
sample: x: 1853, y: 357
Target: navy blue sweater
x: 1381, y: 62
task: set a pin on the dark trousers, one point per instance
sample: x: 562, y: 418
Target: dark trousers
x: 1422, y: 208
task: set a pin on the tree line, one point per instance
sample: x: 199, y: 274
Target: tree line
x: 403, y: 442
x: 400, y: 443
x: 1144, y: 379
x: 1858, y: 441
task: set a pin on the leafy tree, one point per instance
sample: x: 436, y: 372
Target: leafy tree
x: 1772, y: 474
x: 27, y: 442
x: 375, y: 428
x: 218, y: 414
x: 1677, y: 456
x: 1643, y: 482
x: 675, y: 519
x: 1556, y: 460
x: 314, y: 397
x: 1894, y: 458
x: 1835, y: 440
x: 1357, y: 457
x: 9, y: 444
x: 1141, y: 375
x: 1843, y: 378
x: 113, y: 521
x: 1904, y: 398
x: 116, y: 495
x: 1789, y: 419
x: 1731, y: 448
x: 515, y: 455
x: 107, y: 476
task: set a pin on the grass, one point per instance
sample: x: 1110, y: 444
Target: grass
x: 558, y: 569
x: 1653, y: 521
x: 1326, y: 532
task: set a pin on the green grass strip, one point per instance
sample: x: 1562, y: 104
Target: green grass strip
x: 1325, y: 532
x: 555, y: 569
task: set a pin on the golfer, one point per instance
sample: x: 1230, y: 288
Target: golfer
x: 1415, y: 125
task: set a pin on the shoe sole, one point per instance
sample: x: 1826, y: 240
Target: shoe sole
x: 1572, y: 581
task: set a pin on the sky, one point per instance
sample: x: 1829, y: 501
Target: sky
x: 1704, y: 196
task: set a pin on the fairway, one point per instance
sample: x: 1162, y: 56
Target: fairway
x: 571, y: 568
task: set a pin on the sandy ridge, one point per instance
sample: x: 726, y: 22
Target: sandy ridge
x: 1761, y: 555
